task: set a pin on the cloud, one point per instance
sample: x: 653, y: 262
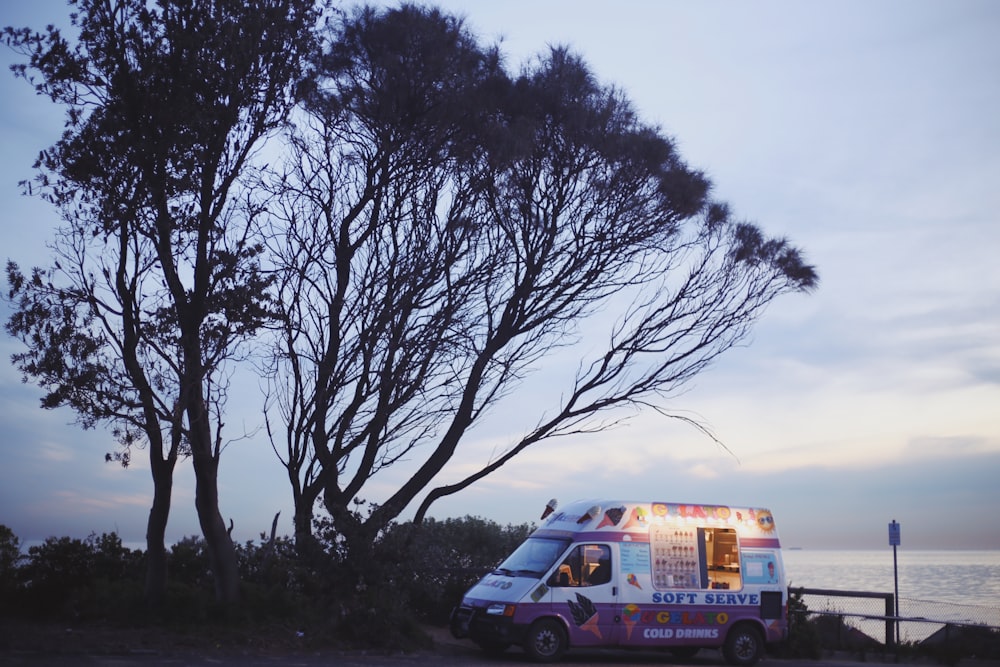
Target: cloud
x: 944, y: 502
x: 54, y: 452
x: 866, y: 135
x: 75, y: 503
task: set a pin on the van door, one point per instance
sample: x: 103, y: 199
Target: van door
x: 585, y: 593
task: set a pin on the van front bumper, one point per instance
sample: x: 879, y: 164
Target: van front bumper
x: 484, y: 629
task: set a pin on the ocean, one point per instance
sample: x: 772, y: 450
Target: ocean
x: 958, y: 586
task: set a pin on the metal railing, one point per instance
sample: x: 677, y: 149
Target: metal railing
x: 867, y: 620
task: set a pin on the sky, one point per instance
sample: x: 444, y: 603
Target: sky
x: 867, y: 133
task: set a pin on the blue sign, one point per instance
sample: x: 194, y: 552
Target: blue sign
x: 893, y: 534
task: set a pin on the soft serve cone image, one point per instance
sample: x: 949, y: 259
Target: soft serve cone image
x: 637, y: 519
x: 589, y: 514
x: 612, y: 517
x: 550, y: 507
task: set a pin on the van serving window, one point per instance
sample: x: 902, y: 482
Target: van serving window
x: 689, y: 557
x: 722, y: 558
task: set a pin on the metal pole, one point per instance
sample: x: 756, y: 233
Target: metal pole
x: 895, y: 576
x: 890, y: 623
x: 895, y: 570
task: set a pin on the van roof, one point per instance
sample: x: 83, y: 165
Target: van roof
x: 628, y: 520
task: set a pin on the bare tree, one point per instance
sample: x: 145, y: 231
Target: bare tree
x: 446, y: 226
x: 157, y: 280
x: 377, y: 212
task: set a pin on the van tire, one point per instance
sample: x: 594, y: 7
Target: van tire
x: 744, y: 646
x: 545, y: 641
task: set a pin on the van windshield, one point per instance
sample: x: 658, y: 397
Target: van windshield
x: 533, y: 558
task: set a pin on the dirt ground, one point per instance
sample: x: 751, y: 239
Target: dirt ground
x: 20, y: 637
x: 52, y: 645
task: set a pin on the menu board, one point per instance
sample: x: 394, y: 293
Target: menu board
x: 635, y: 557
x: 675, y: 557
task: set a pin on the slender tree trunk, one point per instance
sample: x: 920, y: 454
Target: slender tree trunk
x: 357, y: 534
x: 303, y: 519
x: 205, y: 461
x: 205, y: 458
x: 222, y: 555
x: 156, y: 528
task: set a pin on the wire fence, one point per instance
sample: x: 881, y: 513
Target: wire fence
x: 860, y: 620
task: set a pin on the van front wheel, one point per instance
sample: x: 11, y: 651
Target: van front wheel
x: 744, y: 646
x: 545, y: 641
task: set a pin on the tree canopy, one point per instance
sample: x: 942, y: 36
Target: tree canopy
x: 431, y: 227
x: 446, y: 224
x: 157, y: 279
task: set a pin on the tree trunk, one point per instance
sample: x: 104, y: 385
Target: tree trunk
x: 305, y: 541
x: 357, y: 535
x: 205, y: 461
x: 156, y: 528
x: 221, y: 554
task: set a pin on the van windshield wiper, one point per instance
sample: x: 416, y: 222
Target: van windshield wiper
x: 526, y: 573
x: 516, y: 573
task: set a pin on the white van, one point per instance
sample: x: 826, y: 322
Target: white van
x: 606, y: 573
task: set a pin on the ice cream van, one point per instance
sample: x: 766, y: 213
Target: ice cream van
x: 609, y: 573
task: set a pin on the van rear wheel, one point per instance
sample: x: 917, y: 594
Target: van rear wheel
x: 744, y: 646
x: 545, y: 641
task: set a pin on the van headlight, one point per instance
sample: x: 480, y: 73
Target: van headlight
x: 500, y: 609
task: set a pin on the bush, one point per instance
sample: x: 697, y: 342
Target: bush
x: 414, y: 574
x: 10, y: 560
x: 434, y: 563
x: 65, y: 578
x: 188, y: 563
x: 803, y: 635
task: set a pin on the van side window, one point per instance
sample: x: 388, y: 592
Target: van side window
x: 586, y: 565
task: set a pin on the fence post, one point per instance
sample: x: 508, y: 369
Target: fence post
x: 890, y: 613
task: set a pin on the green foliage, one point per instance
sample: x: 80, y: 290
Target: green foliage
x: 414, y: 574
x: 188, y: 562
x: 277, y: 583
x: 803, y: 636
x: 10, y: 552
x: 94, y: 578
x: 10, y: 558
x: 435, y: 562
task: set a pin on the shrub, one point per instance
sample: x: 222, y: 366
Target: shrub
x: 10, y: 560
x: 803, y: 635
x: 80, y: 579
x: 414, y: 574
x: 435, y: 562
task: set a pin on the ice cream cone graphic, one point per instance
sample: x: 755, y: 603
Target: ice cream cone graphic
x: 550, y: 507
x: 590, y: 625
x: 636, y: 519
x: 630, y: 616
x: 585, y: 615
x: 612, y: 517
x: 589, y: 514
